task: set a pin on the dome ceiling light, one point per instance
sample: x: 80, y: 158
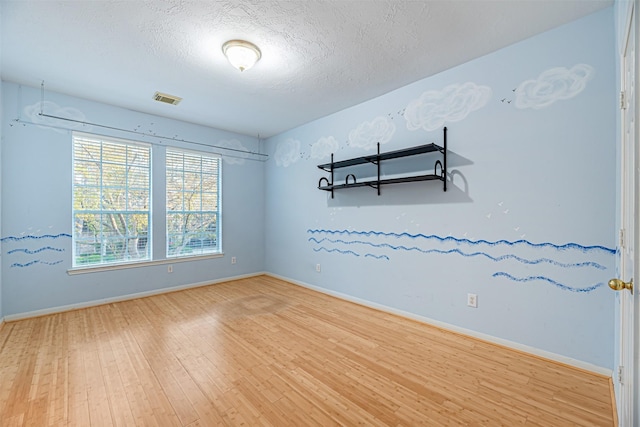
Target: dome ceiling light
x: 241, y: 54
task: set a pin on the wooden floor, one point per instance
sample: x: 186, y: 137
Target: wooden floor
x: 262, y: 352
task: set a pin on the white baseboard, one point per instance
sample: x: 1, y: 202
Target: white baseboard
x: 93, y: 303
x: 469, y: 332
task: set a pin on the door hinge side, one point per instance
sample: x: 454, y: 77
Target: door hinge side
x: 621, y: 239
x: 620, y: 371
x: 623, y: 100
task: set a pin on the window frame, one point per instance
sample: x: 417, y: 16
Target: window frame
x: 197, y: 251
x: 126, y: 212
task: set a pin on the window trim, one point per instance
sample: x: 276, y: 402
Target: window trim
x: 157, y: 166
x: 218, y: 211
x: 108, y: 139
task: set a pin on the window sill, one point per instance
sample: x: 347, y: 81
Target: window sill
x: 112, y: 267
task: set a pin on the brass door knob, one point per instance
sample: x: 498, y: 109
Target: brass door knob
x: 618, y: 285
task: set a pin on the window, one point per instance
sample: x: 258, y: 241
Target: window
x: 193, y: 203
x: 111, y: 201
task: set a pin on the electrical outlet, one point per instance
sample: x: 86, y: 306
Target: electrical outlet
x: 472, y: 300
x: 233, y: 260
x: 318, y: 268
x: 170, y: 269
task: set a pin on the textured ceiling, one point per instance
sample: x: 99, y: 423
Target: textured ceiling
x: 318, y: 57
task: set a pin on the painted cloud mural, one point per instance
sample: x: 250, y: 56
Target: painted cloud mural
x: 453, y: 103
x: 553, y: 85
x: 368, y: 134
x: 324, y: 147
x: 287, y: 152
x: 32, y: 113
x: 233, y: 157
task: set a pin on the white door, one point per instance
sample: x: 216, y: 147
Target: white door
x: 628, y: 238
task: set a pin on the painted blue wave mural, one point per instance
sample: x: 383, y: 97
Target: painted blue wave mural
x: 546, y: 279
x: 336, y: 250
x: 36, y: 251
x: 465, y: 240
x: 466, y: 254
x: 31, y: 244
x: 37, y: 261
x: 32, y: 237
x: 377, y: 256
x: 567, y: 260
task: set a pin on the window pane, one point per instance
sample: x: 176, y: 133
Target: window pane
x: 210, y: 182
x: 138, y: 156
x: 114, y: 175
x: 114, y: 199
x: 192, y: 163
x: 138, y: 177
x: 86, y: 173
x: 210, y: 164
x: 176, y: 238
x: 174, y: 200
x: 86, y: 198
x: 88, y: 150
x: 210, y: 200
x: 174, y: 181
x: 192, y: 181
x: 114, y: 153
x: 87, y: 226
x: 194, y: 223
x: 138, y: 200
x: 192, y: 201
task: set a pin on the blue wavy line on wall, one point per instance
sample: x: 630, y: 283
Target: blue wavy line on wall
x: 322, y: 248
x: 459, y: 252
x: 36, y: 251
x: 44, y: 236
x: 468, y: 241
x: 37, y: 261
x: 548, y: 280
x: 377, y: 256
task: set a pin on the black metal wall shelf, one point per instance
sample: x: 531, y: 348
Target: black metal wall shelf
x: 376, y: 159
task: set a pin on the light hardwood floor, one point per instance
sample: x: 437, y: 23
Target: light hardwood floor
x: 263, y: 352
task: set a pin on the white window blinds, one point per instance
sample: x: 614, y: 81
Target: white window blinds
x: 111, y: 201
x: 193, y: 203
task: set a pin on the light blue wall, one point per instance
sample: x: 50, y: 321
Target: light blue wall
x: 527, y: 225
x: 1, y: 139
x: 36, y: 203
x: 1, y: 143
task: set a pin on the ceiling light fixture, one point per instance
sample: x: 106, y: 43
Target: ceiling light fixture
x: 241, y: 54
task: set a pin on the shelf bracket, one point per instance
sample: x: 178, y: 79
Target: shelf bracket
x: 444, y: 159
x: 332, y: 175
x: 378, y: 164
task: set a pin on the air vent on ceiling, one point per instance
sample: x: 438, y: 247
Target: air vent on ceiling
x: 167, y: 99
